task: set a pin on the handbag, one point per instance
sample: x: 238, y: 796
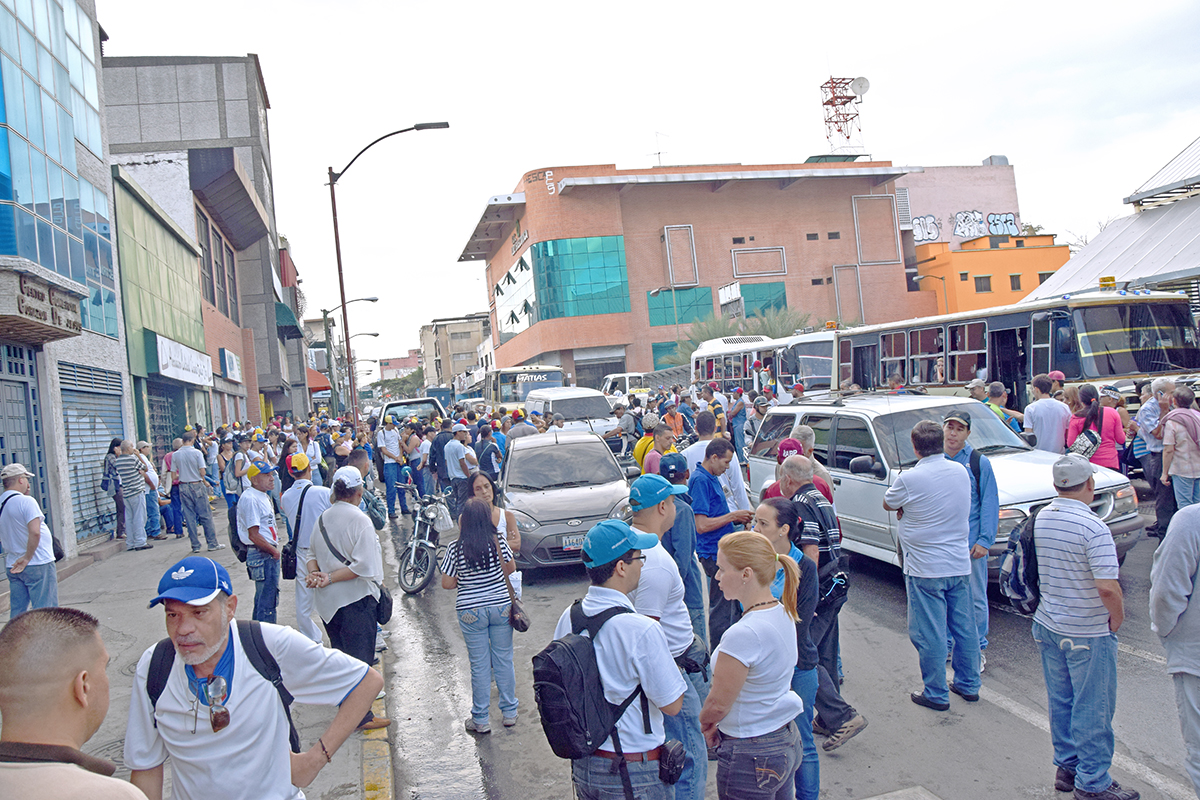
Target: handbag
x: 833, y: 582
x: 383, y: 611
x: 1085, y: 444
x: 516, y: 612
x: 287, y: 560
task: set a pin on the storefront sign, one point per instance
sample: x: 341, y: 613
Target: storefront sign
x: 519, y: 238
x: 231, y: 366
x: 40, y: 302
x: 182, y: 363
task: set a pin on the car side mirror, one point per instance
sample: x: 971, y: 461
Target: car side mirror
x: 1030, y: 438
x: 867, y: 465
x: 633, y: 471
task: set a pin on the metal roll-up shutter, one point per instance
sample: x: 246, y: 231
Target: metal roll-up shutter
x: 92, y: 420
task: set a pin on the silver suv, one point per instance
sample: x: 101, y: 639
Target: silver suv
x: 864, y: 442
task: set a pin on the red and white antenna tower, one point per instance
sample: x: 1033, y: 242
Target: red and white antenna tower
x: 840, y: 98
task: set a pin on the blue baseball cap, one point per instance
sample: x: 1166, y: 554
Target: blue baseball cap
x: 194, y: 580
x: 650, y: 490
x: 611, y: 539
x: 672, y: 465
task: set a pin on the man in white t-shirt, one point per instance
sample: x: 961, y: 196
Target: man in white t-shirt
x: 631, y: 650
x: 222, y: 724
x: 659, y: 595
x: 1047, y: 418
x: 303, y: 496
x: 934, y: 501
x: 258, y: 531
x: 388, y: 440
x: 28, y: 550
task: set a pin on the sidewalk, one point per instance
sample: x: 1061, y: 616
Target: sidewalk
x: 115, y: 586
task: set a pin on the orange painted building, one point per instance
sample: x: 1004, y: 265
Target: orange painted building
x: 988, y: 271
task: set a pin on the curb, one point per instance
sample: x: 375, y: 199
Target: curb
x: 377, y: 753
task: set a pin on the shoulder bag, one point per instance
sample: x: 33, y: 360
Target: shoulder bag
x: 516, y: 612
x: 1086, y: 443
x: 287, y: 561
x: 383, y: 612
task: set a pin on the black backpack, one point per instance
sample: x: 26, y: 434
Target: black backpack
x: 250, y: 634
x: 576, y: 716
x: 1019, y: 580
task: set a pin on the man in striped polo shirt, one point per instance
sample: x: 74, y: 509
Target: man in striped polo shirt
x: 1080, y: 610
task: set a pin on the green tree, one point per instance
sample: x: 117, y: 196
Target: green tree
x: 408, y: 386
x: 776, y: 323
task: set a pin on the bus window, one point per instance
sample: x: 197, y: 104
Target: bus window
x: 891, y: 355
x: 1041, y: 346
x: 845, y: 362
x: 968, y: 352
x: 866, y: 366
x: 737, y: 364
x: 926, y: 356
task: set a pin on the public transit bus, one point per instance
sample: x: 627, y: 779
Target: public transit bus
x: 509, y: 385
x: 804, y: 358
x: 1094, y: 336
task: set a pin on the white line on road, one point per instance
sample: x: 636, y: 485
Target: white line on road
x: 1168, y: 787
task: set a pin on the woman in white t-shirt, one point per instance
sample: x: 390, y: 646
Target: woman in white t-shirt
x: 750, y: 712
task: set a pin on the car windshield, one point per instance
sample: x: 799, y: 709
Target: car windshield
x: 573, y: 408
x: 536, y: 469
x: 1136, y: 338
x: 988, y: 434
x: 425, y: 410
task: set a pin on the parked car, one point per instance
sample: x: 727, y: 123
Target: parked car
x: 558, y: 485
x: 424, y: 408
x: 864, y: 442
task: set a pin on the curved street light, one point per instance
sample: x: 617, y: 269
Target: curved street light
x: 337, y: 239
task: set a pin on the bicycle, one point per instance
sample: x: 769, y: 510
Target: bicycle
x: 419, y: 557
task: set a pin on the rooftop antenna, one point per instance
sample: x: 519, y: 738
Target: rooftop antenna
x: 658, y: 143
x: 840, y: 99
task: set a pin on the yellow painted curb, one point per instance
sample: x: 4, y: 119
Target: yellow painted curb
x: 377, y: 755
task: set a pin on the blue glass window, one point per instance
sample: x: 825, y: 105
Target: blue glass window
x: 664, y: 352
x: 110, y: 312
x: 42, y: 18
x: 62, y: 261
x: 14, y: 100
x: 33, y: 112
x: 5, y: 172
x: 77, y: 262
x: 45, y: 68
x: 25, y: 12
x: 91, y: 256
x: 45, y: 237
x: 71, y: 196
x: 690, y: 305
x: 107, y: 277
x: 28, y: 54
x: 50, y: 126
x: 761, y: 297
x: 580, y: 277
x: 9, y: 42
x: 22, y: 183
x: 26, y: 235
x: 41, y: 187
x: 66, y: 140
x: 8, y: 231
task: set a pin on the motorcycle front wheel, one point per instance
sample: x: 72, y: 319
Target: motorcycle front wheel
x: 417, y: 566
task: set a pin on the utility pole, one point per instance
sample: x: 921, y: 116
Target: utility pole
x: 331, y: 365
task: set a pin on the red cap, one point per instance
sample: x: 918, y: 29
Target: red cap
x: 712, y: 385
x: 789, y: 447
x: 758, y: 365
x: 738, y: 390
x: 799, y: 386
x: 1056, y: 375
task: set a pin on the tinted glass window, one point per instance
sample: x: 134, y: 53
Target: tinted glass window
x: 853, y: 440
x: 774, y: 428
x: 560, y: 466
x: 988, y: 434
x: 581, y: 408
x: 821, y: 428
x: 425, y: 410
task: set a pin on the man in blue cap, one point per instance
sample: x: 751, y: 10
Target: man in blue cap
x: 631, y: 650
x: 258, y: 531
x: 680, y: 542
x: 660, y: 595
x: 217, y: 717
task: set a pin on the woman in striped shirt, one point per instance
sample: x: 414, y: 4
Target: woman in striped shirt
x: 475, y: 565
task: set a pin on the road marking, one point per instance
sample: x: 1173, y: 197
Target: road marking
x: 1168, y: 787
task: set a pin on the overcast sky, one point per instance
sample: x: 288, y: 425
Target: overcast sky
x: 1086, y: 100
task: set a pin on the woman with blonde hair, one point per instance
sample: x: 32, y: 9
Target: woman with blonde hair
x: 750, y: 712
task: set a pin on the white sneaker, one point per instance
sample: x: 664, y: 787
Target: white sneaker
x: 382, y: 694
x: 982, y: 660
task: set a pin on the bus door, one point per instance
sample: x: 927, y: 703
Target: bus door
x: 1009, y: 362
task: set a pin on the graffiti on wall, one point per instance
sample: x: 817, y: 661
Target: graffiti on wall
x: 1003, y: 225
x: 926, y: 228
x: 969, y: 224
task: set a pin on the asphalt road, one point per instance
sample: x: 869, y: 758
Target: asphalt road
x: 997, y: 748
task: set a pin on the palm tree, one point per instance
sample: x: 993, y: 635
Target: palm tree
x: 777, y: 323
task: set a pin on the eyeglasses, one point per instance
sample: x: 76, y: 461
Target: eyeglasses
x: 215, y: 691
x: 632, y: 559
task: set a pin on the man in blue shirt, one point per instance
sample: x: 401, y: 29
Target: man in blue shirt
x: 714, y: 520
x: 680, y: 542
x: 984, y: 517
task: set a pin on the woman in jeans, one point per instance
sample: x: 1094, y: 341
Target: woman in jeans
x: 114, y: 484
x: 347, y: 583
x: 750, y: 712
x: 475, y: 565
x: 776, y: 518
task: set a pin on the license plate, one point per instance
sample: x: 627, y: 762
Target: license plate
x: 573, y: 542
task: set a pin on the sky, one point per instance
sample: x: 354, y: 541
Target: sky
x: 1087, y: 101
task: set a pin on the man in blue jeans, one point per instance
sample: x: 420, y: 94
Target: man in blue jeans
x: 1075, y: 627
x: 258, y: 531
x: 933, y: 501
x: 28, y: 549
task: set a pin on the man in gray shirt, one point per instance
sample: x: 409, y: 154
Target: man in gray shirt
x: 189, y: 466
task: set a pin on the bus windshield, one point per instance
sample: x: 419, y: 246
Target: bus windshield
x: 515, y: 386
x: 1136, y: 338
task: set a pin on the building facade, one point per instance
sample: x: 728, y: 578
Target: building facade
x: 448, y: 346
x: 192, y: 131
x: 988, y: 271
x: 390, y: 368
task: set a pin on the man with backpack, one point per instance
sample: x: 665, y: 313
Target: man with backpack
x: 1080, y: 609
x: 984, y: 515
x: 214, y: 696
x: 628, y: 682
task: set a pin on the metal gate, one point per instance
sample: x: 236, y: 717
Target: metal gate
x: 20, y: 422
x: 162, y: 408
x: 91, y: 421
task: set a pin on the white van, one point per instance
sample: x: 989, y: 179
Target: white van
x: 582, y: 409
x: 625, y: 383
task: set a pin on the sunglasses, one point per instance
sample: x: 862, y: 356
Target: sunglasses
x: 215, y: 691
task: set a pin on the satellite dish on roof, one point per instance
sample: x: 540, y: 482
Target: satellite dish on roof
x: 860, y: 86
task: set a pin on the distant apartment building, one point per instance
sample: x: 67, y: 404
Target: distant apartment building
x: 390, y: 368
x: 448, y: 346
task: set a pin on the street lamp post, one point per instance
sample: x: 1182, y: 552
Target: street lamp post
x: 945, y: 299
x: 334, y: 393
x: 337, y: 241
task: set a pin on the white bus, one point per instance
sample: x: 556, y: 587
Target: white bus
x: 510, y: 385
x: 806, y: 358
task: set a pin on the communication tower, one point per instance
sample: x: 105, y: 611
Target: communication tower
x: 840, y: 99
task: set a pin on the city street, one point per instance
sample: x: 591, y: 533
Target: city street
x: 998, y: 748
